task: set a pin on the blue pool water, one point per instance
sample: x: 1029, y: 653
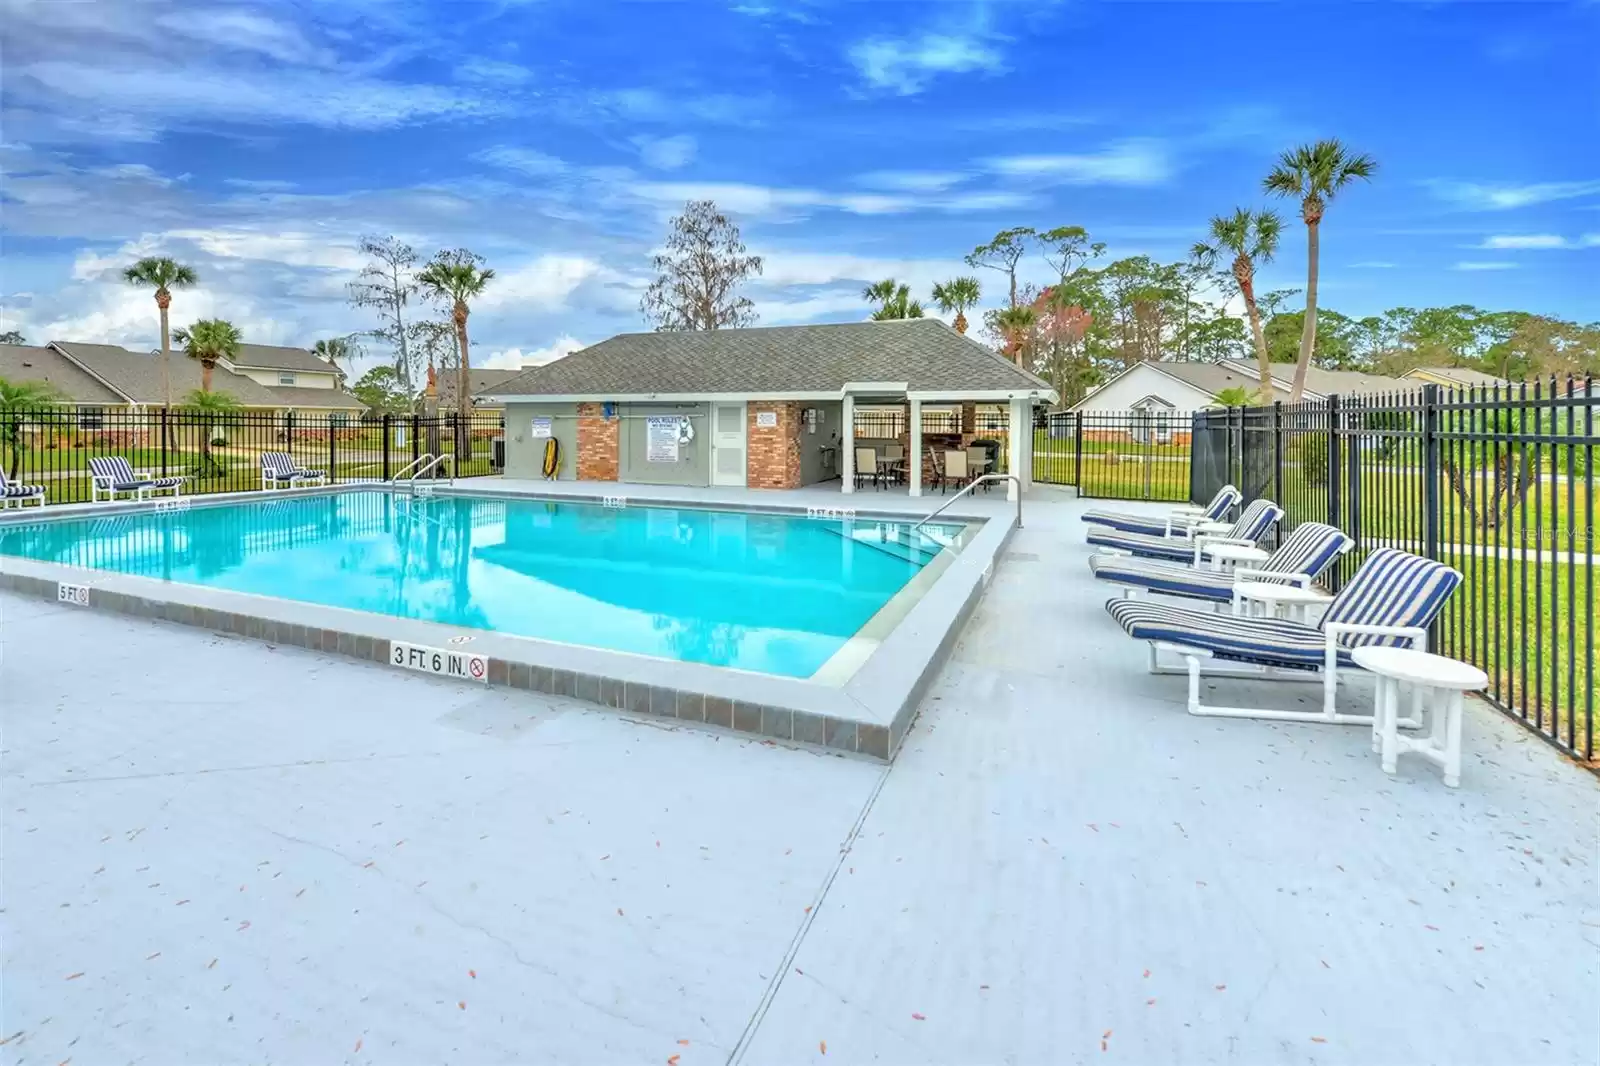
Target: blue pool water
x: 773, y: 593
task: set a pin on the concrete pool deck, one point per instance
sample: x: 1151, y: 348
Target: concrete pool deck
x: 219, y: 852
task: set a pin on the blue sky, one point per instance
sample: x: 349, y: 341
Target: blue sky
x: 851, y: 142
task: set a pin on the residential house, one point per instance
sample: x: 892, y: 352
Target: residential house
x: 97, y: 378
x: 772, y: 407
x: 1455, y: 378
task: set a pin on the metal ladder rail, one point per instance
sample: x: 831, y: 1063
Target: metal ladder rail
x: 431, y: 464
x: 974, y: 483
x: 400, y: 474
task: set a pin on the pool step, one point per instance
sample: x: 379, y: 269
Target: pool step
x: 892, y: 538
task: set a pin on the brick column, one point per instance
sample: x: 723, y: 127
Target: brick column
x: 773, y: 452
x: 597, y: 443
x: 969, y: 423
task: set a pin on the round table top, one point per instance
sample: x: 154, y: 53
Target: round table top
x: 1239, y: 552
x: 1420, y: 667
x: 1269, y: 590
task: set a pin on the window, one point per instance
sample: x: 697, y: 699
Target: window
x: 285, y: 378
x: 91, y: 418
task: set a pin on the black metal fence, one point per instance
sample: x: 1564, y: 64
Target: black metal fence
x: 1499, y: 483
x: 221, y: 451
x: 1123, y: 455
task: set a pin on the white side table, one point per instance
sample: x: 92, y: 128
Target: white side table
x: 1435, y: 681
x: 1224, y: 555
x: 1281, y: 601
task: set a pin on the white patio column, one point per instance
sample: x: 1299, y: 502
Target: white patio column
x: 1021, y: 437
x: 914, y: 460
x: 847, y: 446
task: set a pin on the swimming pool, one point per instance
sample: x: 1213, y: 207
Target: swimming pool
x: 773, y: 593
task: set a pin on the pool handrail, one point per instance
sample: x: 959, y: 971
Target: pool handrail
x: 974, y: 483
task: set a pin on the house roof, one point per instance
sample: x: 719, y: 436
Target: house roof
x: 135, y: 377
x: 299, y: 397
x: 1212, y: 378
x: 925, y: 353
x: 1322, y: 383
x: 19, y: 363
x: 478, y: 381
x: 278, y: 357
x: 1455, y: 375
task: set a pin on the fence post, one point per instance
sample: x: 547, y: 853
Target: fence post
x: 416, y: 445
x: 333, y: 451
x: 1077, y: 450
x: 1430, y: 470
x: 164, y: 442
x: 386, y: 435
x: 1277, y: 452
x: 1334, y: 460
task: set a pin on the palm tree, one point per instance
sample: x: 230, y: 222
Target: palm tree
x: 957, y: 295
x: 165, y: 275
x: 453, y: 278
x: 208, y: 340
x: 1234, y: 396
x: 1315, y: 173
x: 1016, y: 326
x: 18, y: 400
x: 1252, y: 237
x: 213, y: 409
x: 893, y: 300
x: 336, y: 350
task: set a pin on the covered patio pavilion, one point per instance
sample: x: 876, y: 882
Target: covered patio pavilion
x: 925, y: 438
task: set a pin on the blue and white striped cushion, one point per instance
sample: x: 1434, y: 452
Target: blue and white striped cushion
x: 1393, y: 588
x: 1154, y: 525
x: 278, y: 464
x: 1257, y: 519
x: 1308, y: 550
x: 115, y: 470
x: 1278, y: 642
x: 1174, y: 579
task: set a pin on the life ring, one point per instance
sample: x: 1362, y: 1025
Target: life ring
x: 552, y: 459
x: 685, y: 431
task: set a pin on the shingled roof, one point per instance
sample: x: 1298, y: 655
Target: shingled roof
x: 925, y: 353
x: 280, y: 357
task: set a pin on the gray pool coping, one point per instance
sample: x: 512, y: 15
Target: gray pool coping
x: 868, y: 715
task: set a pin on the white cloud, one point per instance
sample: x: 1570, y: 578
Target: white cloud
x: 1373, y: 264
x: 666, y: 153
x: 260, y: 184
x: 1479, y: 265
x: 493, y: 72
x: 516, y: 358
x: 238, y: 30
x: 678, y: 108
x: 1502, y: 197
x: 906, y: 65
x: 544, y: 284
x: 136, y: 172
x: 1591, y: 240
x: 200, y: 92
x: 912, y: 180
x: 1131, y: 162
x: 528, y: 160
x: 782, y: 268
x: 1523, y: 242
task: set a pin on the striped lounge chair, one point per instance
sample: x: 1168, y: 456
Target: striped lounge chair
x: 1256, y: 521
x: 279, y: 470
x: 1303, y: 555
x: 1176, y: 522
x: 111, y: 474
x: 1391, y: 600
x: 14, y: 492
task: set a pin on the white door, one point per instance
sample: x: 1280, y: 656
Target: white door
x: 727, y: 444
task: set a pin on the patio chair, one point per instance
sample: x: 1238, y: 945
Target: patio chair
x: 955, y: 471
x: 14, y: 492
x: 978, y: 464
x: 1179, y: 521
x: 1304, y: 554
x: 111, y: 474
x: 1253, y: 524
x: 1391, y: 601
x: 867, y: 468
x: 894, y: 462
x: 279, y: 470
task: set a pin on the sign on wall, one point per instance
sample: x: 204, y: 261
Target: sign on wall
x: 767, y: 419
x: 540, y: 429
x: 661, y: 438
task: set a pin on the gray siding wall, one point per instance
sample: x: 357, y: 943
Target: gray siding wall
x: 694, y: 459
x: 829, y: 430
x: 525, y: 454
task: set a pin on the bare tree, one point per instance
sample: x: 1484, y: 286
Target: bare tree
x: 386, y: 284
x: 699, y: 273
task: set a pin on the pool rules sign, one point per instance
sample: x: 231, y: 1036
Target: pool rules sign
x: 463, y: 666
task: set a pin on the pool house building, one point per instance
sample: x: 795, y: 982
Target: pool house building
x: 774, y: 408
